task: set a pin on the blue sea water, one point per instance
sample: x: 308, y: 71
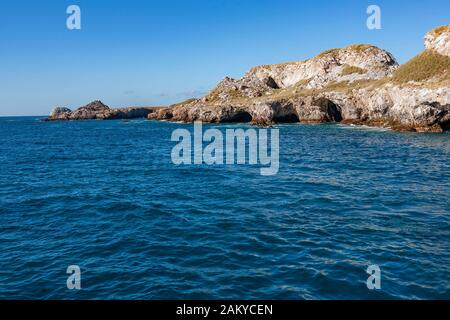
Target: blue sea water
x: 105, y: 195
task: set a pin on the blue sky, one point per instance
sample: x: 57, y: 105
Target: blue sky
x: 138, y: 52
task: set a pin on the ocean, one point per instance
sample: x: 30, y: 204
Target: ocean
x: 105, y: 196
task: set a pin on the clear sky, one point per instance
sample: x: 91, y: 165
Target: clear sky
x: 138, y: 52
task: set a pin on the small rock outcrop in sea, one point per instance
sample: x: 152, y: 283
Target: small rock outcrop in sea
x: 96, y: 110
x: 360, y: 84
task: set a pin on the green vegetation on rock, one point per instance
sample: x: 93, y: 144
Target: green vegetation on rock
x: 352, y: 70
x: 429, y: 65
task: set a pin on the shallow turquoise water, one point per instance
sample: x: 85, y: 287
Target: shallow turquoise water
x: 105, y: 196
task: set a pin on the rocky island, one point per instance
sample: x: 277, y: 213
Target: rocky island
x: 97, y: 110
x: 359, y: 84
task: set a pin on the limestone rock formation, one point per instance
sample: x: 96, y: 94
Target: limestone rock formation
x: 439, y: 40
x: 360, y: 84
x: 357, y: 62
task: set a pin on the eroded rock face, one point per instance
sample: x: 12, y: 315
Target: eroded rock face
x: 97, y: 110
x: 398, y: 107
x: 439, y: 40
x: 357, y: 62
x: 318, y: 110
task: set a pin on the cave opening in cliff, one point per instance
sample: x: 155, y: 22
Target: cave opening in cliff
x: 287, y: 118
x: 333, y: 111
x: 240, y: 117
x: 445, y: 126
x: 271, y: 83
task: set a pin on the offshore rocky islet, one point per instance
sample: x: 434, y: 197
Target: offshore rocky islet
x: 359, y: 84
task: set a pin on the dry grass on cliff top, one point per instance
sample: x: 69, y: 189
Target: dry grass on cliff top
x: 425, y: 66
x: 438, y: 31
x: 354, y: 47
x: 359, y: 47
x: 278, y: 65
x: 333, y: 52
x: 183, y: 102
x: 336, y: 86
x: 352, y: 70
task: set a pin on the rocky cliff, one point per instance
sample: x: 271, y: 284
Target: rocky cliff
x: 360, y: 84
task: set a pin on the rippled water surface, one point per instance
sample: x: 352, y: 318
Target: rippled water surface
x: 105, y: 196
